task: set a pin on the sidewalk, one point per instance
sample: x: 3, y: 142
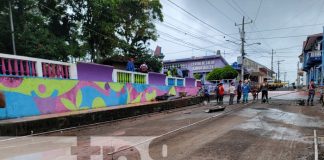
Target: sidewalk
x: 50, y: 122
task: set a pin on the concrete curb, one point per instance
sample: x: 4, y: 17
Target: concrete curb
x: 21, y: 128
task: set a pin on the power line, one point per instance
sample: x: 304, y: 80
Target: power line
x: 171, y: 26
x: 175, y: 42
x: 221, y: 12
x: 279, y: 37
x: 182, y: 41
x: 256, y: 16
x: 218, y: 30
x: 289, y: 47
x: 276, y: 29
x: 233, y: 7
x: 238, y: 6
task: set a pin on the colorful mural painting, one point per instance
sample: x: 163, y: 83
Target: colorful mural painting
x: 28, y: 96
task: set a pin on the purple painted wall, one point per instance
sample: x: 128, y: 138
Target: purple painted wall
x: 156, y: 78
x: 94, y: 72
x: 198, y: 64
x: 190, y: 82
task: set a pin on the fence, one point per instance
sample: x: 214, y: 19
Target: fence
x: 25, y: 66
x: 129, y: 77
x: 13, y: 65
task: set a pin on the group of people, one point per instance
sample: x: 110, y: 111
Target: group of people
x: 241, y: 89
x: 131, y: 67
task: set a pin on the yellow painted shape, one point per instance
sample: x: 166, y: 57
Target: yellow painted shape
x: 32, y: 84
x: 172, y: 91
x: 138, y: 98
x: 69, y: 105
x: 98, y: 102
x: 117, y: 87
x: 101, y: 85
x: 150, y: 96
x: 78, y: 99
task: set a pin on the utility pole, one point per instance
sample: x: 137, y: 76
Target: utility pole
x: 272, y: 60
x: 242, y: 45
x: 298, y: 77
x: 12, y: 29
x: 279, y: 69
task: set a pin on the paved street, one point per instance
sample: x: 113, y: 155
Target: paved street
x: 255, y: 131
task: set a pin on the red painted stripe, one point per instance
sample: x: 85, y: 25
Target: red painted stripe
x: 33, y: 68
x: 9, y: 67
x: 27, y: 69
x: 44, y: 69
x: 22, y: 71
x: 3, y: 66
x: 16, y: 67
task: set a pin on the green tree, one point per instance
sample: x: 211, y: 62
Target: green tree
x: 67, y: 29
x: 197, y: 76
x: 154, y: 63
x: 226, y: 72
x: 118, y: 27
x: 40, y: 32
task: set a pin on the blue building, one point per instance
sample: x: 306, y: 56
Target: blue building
x: 312, y: 58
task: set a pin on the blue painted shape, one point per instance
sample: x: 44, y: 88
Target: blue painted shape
x: 140, y: 87
x: 180, y: 82
x: 20, y: 106
x: 90, y: 93
x: 171, y: 81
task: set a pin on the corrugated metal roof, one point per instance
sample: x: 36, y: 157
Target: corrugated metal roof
x: 311, y: 39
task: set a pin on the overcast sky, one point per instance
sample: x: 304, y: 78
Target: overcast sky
x: 181, y: 35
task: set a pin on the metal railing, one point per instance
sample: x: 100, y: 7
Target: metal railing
x: 122, y: 76
x: 13, y: 65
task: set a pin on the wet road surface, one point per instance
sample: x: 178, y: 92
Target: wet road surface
x: 256, y: 131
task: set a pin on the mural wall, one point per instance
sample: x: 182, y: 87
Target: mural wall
x: 37, y: 96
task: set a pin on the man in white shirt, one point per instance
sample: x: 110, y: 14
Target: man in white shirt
x: 232, y: 93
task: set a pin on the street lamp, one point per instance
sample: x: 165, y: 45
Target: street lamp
x: 258, y: 43
x: 243, y: 54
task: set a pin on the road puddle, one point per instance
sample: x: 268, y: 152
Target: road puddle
x: 274, y: 123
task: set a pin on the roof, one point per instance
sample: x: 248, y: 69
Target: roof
x: 311, y: 39
x: 260, y: 65
x: 196, y: 59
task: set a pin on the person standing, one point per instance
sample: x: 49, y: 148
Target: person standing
x: 130, y: 65
x: 311, y: 92
x: 246, y: 89
x: 206, y: 93
x: 217, y: 93
x: 232, y: 93
x: 144, y: 68
x: 239, y: 91
x: 221, y: 93
x: 264, y: 91
x: 179, y: 72
x: 169, y: 74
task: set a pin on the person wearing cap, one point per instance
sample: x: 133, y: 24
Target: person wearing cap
x: 232, y: 93
x: 311, y: 92
x: 239, y: 91
x: 246, y: 89
x: 221, y: 93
